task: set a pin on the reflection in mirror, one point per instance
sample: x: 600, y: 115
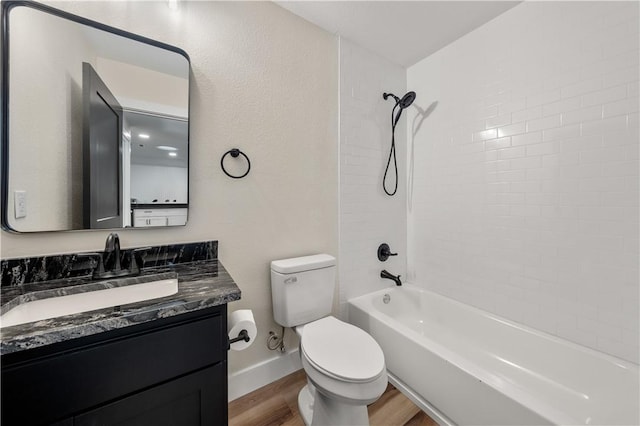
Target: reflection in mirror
x: 158, y: 148
x: 73, y: 161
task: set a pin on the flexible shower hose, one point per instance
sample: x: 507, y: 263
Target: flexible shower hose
x: 392, y: 153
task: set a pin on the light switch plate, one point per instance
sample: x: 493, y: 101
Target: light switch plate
x: 20, y: 203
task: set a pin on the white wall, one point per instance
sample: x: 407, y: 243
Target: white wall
x: 160, y: 183
x: 139, y: 87
x: 525, y: 191
x: 369, y: 217
x: 265, y: 81
x: 54, y: 196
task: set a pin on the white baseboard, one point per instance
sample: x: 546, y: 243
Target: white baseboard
x: 251, y: 378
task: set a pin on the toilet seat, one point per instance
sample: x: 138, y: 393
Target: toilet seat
x: 342, y: 351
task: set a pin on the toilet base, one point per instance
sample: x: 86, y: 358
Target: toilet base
x: 305, y: 403
x: 318, y: 410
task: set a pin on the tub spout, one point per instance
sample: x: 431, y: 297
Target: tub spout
x: 385, y: 274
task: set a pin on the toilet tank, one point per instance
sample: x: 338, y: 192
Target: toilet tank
x: 302, y: 288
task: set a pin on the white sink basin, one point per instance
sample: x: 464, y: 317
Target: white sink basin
x: 69, y: 304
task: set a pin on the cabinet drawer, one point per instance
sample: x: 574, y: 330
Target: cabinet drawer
x: 197, y: 399
x: 57, y: 386
x: 159, y: 212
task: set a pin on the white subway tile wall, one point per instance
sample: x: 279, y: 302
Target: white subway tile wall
x: 525, y: 195
x: 369, y: 217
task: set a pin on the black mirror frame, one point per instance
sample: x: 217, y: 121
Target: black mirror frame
x: 7, y: 6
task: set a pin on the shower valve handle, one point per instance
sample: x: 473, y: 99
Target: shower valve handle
x: 384, y: 252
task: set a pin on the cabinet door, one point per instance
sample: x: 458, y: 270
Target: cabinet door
x: 140, y: 222
x: 157, y: 221
x: 143, y: 222
x: 197, y: 399
x: 177, y: 220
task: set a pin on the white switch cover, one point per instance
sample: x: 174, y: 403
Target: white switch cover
x: 20, y: 203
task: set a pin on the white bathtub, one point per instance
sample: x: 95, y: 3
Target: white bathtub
x: 466, y: 366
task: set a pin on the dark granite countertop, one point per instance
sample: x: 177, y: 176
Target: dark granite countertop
x: 201, y: 284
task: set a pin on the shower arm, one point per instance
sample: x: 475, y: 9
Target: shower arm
x: 386, y: 95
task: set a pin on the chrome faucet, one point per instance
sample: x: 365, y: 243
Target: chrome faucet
x: 385, y: 274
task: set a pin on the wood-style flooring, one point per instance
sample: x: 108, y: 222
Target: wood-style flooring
x: 277, y: 404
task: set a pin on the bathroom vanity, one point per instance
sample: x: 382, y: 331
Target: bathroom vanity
x: 158, y: 362
x: 80, y: 344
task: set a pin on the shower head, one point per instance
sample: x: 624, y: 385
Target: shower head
x: 407, y: 100
x: 403, y: 103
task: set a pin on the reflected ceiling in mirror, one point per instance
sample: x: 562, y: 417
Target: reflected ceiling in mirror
x: 92, y: 116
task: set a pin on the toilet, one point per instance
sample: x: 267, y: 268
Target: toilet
x: 344, y: 365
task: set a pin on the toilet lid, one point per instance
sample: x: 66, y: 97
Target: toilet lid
x: 342, y: 350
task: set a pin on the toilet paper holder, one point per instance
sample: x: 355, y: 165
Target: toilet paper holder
x: 243, y: 335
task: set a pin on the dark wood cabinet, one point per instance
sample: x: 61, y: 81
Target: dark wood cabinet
x: 170, y: 371
x: 192, y: 400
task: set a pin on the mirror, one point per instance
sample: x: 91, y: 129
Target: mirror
x: 95, y: 130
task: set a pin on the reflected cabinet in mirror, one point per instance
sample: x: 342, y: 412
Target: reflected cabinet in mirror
x: 95, y: 125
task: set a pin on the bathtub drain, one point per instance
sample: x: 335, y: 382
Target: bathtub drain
x: 386, y: 298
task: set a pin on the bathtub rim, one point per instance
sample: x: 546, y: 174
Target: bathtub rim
x: 622, y: 363
x: 471, y: 368
x: 510, y: 390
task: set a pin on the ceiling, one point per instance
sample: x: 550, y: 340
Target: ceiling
x: 165, y: 142
x: 402, y: 31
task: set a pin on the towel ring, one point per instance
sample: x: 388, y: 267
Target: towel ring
x: 235, y: 152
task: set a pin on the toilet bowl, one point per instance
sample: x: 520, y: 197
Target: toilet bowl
x: 346, y: 371
x: 344, y: 365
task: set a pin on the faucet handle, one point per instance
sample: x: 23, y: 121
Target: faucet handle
x: 384, y: 252
x: 135, y: 264
x: 112, y: 253
x: 98, y: 267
